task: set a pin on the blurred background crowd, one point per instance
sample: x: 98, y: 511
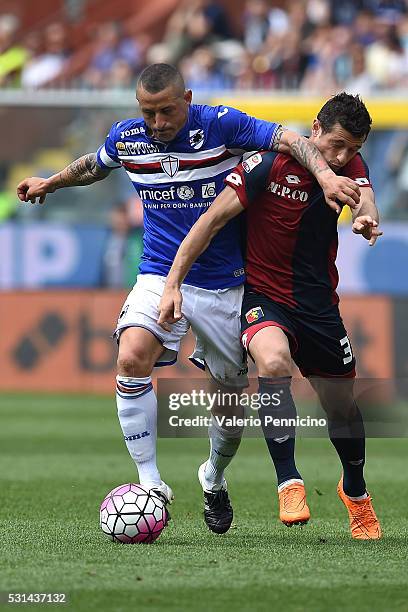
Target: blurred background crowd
x: 312, y: 45
x: 224, y: 48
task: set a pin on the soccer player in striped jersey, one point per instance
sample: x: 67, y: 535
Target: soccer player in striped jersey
x: 290, y: 305
x: 177, y: 156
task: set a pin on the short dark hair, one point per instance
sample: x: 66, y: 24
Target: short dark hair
x: 348, y: 110
x: 157, y: 77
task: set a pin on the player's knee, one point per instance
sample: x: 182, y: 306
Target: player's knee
x: 134, y: 362
x: 227, y: 409
x: 222, y: 428
x: 274, y: 364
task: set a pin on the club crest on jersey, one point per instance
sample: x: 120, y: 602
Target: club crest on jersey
x: 196, y: 138
x: 254, y: 314
x: 170, y: 165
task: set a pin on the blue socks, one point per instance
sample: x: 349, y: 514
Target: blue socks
x: 279, y: 439
x: 348, y: 438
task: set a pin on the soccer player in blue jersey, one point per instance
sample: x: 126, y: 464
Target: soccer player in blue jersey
x: 177, y: 156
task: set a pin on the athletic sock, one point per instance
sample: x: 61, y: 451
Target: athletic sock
x: 137, y: 411
x: 280, y: 440
x: 224, y: 444
x: 348, y: 438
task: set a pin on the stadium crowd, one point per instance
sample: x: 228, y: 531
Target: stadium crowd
x: 312, y: 45
x: 315, y: 46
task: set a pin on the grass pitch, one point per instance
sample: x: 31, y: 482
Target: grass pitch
x: 61, y: 455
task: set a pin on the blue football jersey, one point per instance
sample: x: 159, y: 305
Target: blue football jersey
x: 179, y: 180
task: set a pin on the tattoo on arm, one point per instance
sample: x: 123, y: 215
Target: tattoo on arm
x: 303, y: 150
x: 278, y: 138
x: 82, y: 171
x: 307, y: 154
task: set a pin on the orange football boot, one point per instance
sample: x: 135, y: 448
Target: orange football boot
x: 293, y: 509
x: 364, y: 523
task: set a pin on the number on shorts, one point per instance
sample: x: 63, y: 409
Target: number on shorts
x: 345, y: 342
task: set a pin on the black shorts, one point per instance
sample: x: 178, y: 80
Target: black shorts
x: 319, y: 344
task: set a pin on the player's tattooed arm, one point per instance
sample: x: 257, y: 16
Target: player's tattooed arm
x: 306, y: 153
x: 82, y: 171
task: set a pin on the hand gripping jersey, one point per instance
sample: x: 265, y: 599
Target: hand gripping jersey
x: 178, y: 181
x: 291, y: 232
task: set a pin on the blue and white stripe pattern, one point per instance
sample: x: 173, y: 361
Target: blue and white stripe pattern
x: 132, y: 388
x: 179, y: 180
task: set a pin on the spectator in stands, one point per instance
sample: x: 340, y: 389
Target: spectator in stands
x: 291, y: 69
x: 320, y: 50
x: 363, y: 28
x: 385, y: 57
x: 218, y: 19
x: 336, y: 62
x: 342, y: 39
x: 190, y: 26
x: 202, y: 72
x: 244, y: 74
x: 44, y: 66
x: 12, y: 56
x: 255, y: 24
x: 345, y: 12
x: 111, y: 47
x: 299, y: 19
x: 121, y: 76
x: 389, y: 10
x: 359, y: 81
x: 115, y: 252
x: 315, y: 45
x: 318, y: 12
x: 124, y: 244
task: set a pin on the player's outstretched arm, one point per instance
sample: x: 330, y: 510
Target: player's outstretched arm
x: 366, y: 217
x: 306, y: 153
x: 82, y: 171
x: 225, y: 207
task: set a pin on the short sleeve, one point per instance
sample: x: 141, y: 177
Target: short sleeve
x: 106, y: 155
x: 242, y: 131
x: 357, y: 170
x: 250, y: 178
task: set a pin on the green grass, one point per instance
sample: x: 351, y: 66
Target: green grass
x: 60, y: 455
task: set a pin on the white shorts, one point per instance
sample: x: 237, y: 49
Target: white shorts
x: 213, y: 315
